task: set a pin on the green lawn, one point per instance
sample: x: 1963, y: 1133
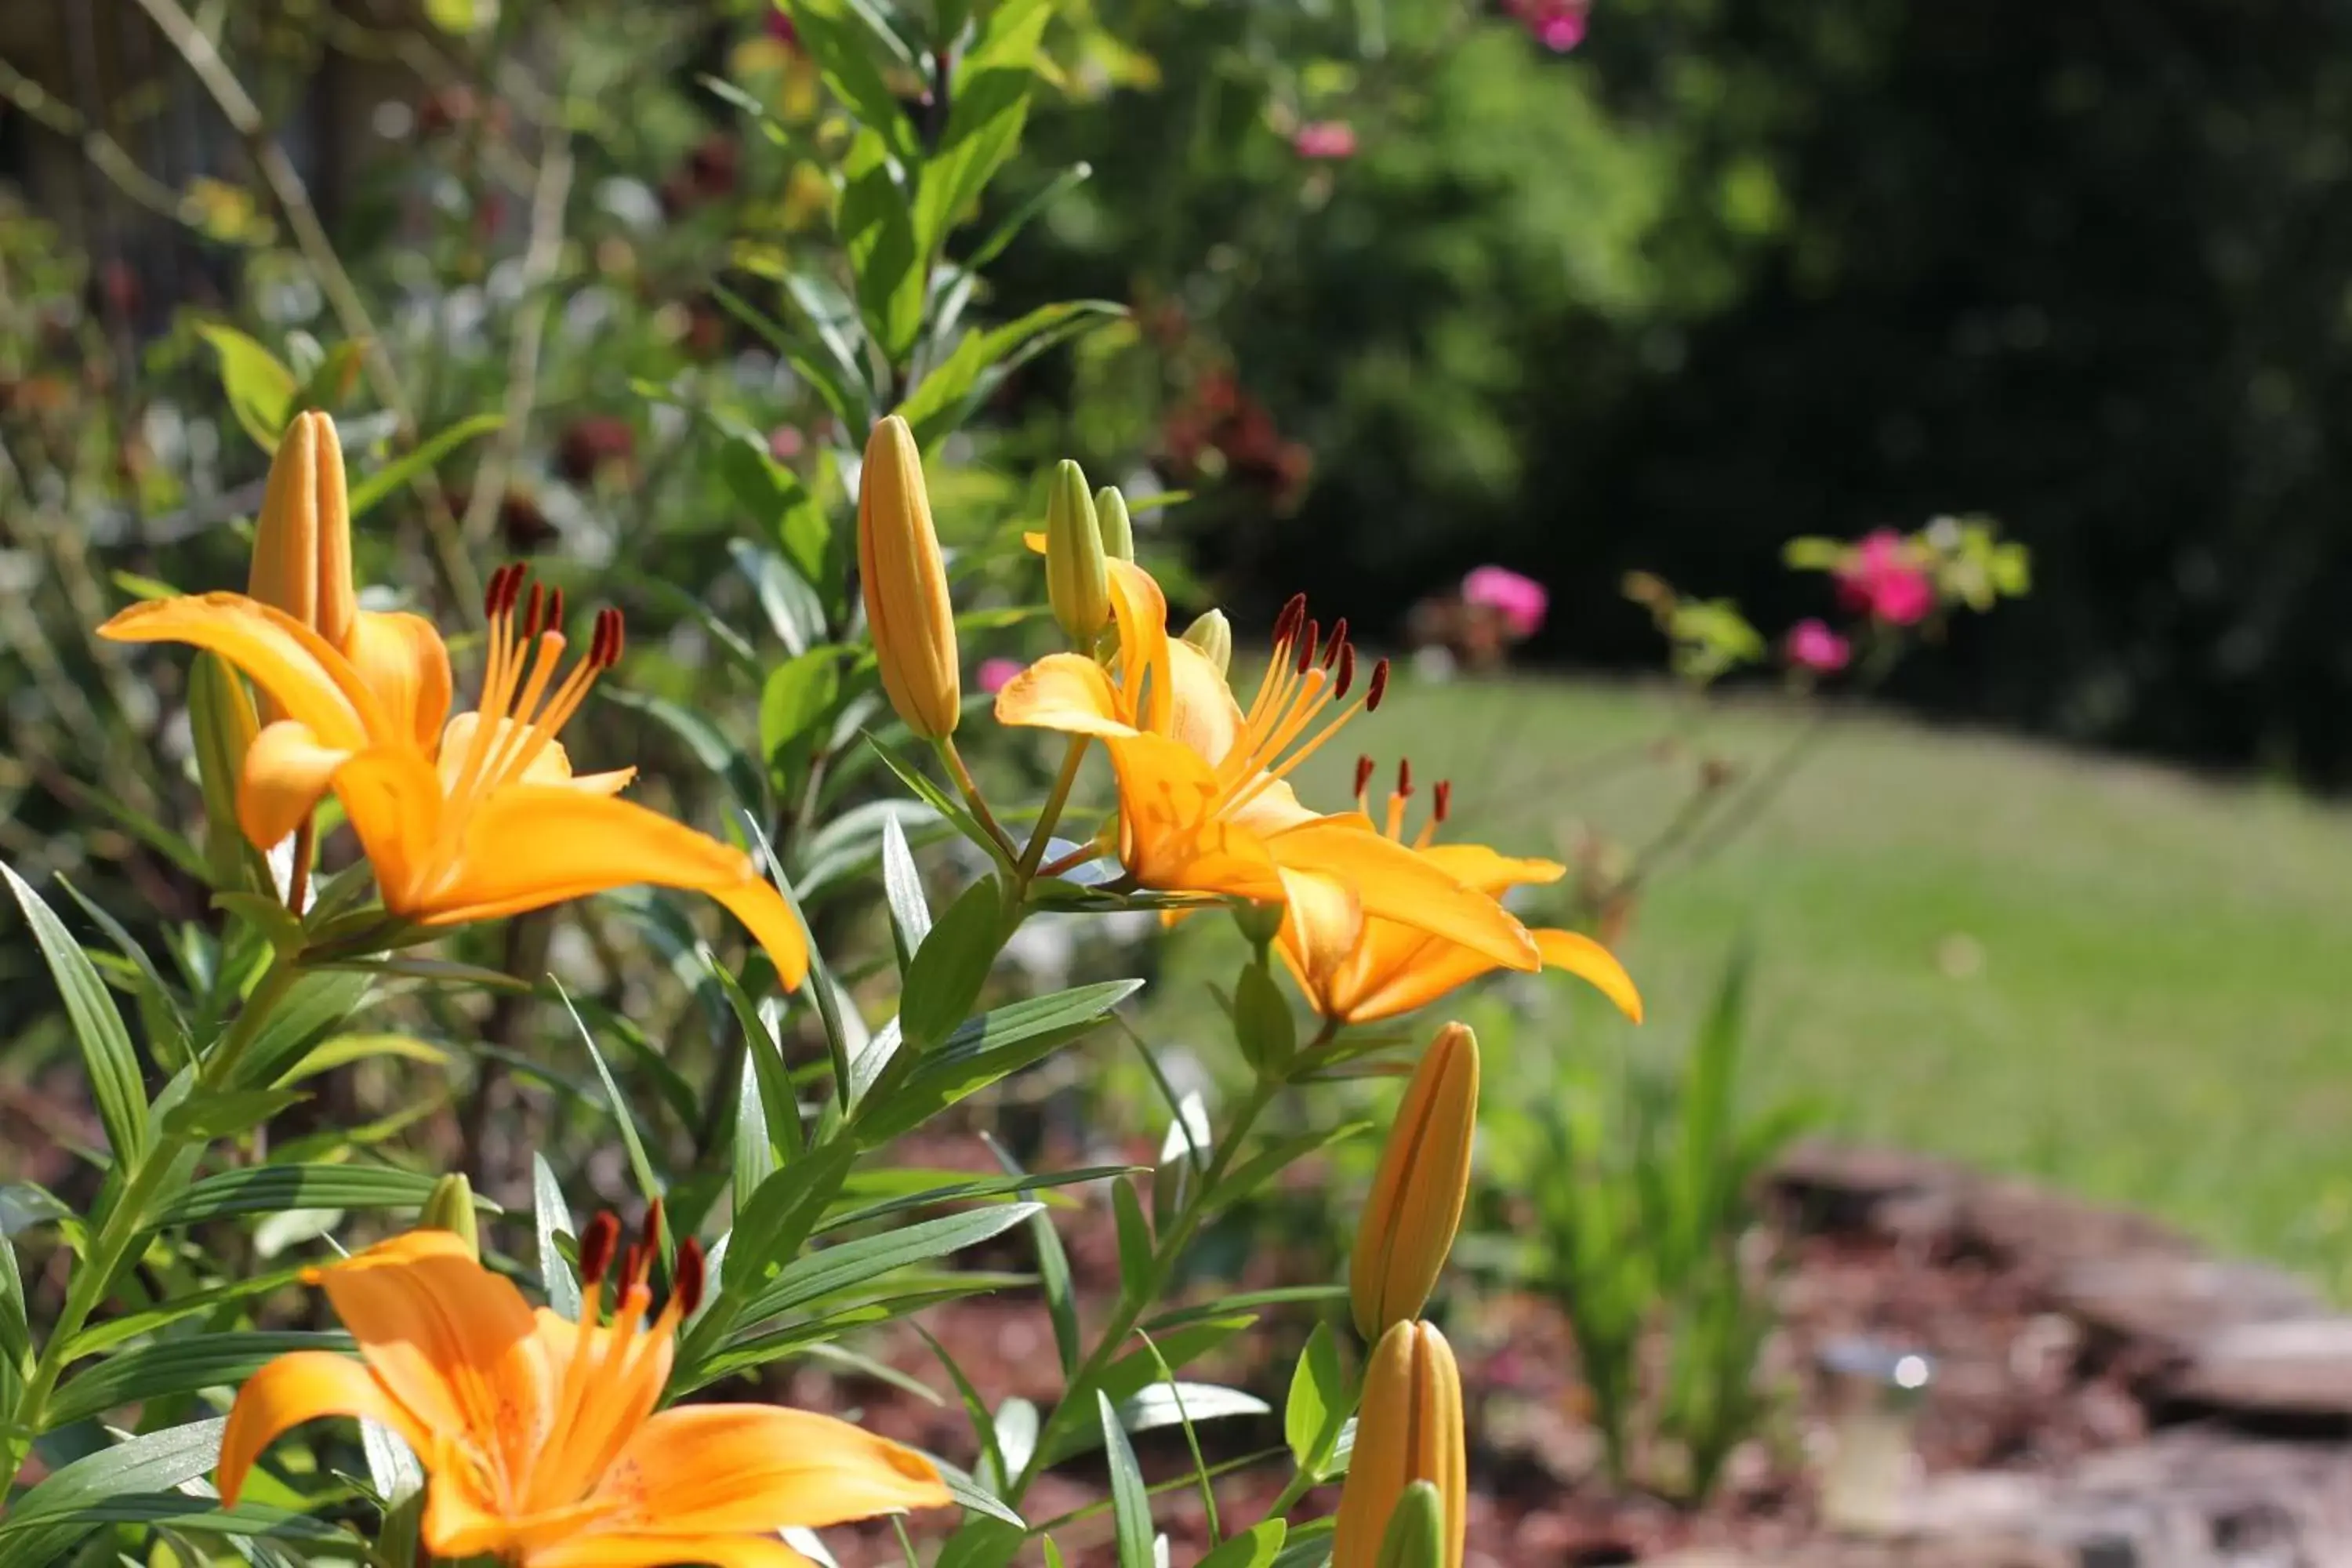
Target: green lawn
x: 2124, y: 980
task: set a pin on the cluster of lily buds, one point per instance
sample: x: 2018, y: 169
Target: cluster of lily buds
x: 1402, y: 1505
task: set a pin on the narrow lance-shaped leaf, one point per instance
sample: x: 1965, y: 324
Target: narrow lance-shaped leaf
x: 106, y: 1049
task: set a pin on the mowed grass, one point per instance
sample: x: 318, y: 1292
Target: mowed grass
x: 2126, y: 981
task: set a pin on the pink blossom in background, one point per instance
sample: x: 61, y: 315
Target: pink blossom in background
x: 1812, y: 644
x: 1558, y: 25
x: 996, y: 674
x: 1521, y: 601
x: 780, y: 26
x: 1881, y: 581
x: 785, y: 443
x: 1325, y: 139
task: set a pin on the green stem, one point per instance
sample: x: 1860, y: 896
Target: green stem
x: 970, y: 789
x: 124, y: 1227
x: 1051, y: 813
x: 1080, y: 1394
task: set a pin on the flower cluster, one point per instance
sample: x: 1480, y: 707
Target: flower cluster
x: 1889, y: 582
x: 543, y: 1434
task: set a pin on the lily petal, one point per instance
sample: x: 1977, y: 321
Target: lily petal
x: 303, y: 1385
x: 393, y: 801
x: 1582, y: 956
x: 1063, y: 691
x: 286, y: 773
x: 714, y: 1469
x: 1141, y: 611
x: 1170, y: 838
x: 404, y: 661
x: 1320, y: 928
x: 1476, y: 866
x: 440, y: 1333
x: 1203, y: 714
x: 529, y: 846
x: 605, y: 1550
x: 1403, y: 885
x: 300, y: 670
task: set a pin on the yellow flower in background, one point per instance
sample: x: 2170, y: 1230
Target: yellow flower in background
x: 1416, y: 1199
x: 1203, y: 806
x: 1377, y: 968
x: 905, y: 583
x: 1409, y: 1429
x: 539, y: 1436
x: 471, y: 820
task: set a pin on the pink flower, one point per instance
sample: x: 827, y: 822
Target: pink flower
x: 1521, y: 601
x: 1879, y: 580
x: 1327, y: 139
x: 1557, y: 25
x: 780, y: 28
x: 996, y: 674
x: 1812, y: 644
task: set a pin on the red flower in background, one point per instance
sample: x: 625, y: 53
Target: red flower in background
x: 1325, y: 139
x: 1558, y: 25
x: 1810, y: 644
x: 1881, y: 580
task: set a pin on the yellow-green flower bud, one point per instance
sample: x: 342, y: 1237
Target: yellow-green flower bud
x: 1416, y: 1535
x: 1416, y: 1201
x: 302, y: 545
x: 450, y: 1207
x: 1409, y: 1429
x: 222, y: 722
x: 1214, y: 635
x: 1077, y: 581
x: 1118, y: 529
x: 906, y: 585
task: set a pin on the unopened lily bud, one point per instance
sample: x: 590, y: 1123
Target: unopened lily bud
x: 1408, y: 1430
x: 450, y: 1207
x: 1077, y: 581
x: 302, y: 545
x: 1118, y: 529
x: 1214, y: 635
x: 222, y: 723
x: 1416, y: 1200
x: 905, y: 583
x: 1416, y: 1533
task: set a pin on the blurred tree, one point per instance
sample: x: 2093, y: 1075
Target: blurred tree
x: 1734, y: 271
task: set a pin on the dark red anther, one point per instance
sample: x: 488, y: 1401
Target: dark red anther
x: 1347, y: 668
x: 1338, y: 640
x: 554, y: 621
x: 1404, y: 776
x: 596, y: 1244
x: 1379, y: 687
x: 530, y: 611
x: 693, y: 1274
x: 1307, y: 646
x: 498, y: 598
x: 1364, y: 766
x: 1285, y: 625
x: 1445, y: 804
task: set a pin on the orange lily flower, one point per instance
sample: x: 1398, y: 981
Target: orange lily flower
x: 1203, y: 806
x: 1380, y: 968
x: 474, y: 819
x: 539, y: 1436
